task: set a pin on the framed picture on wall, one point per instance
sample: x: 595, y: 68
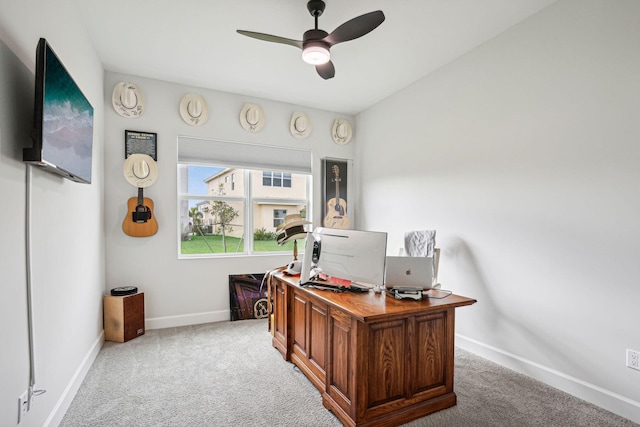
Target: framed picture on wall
x: 335, y: 199
x: 136, y: 142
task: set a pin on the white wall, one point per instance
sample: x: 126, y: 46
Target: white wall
x: 67, y: 222
x: 189, y: 291
x: 523, y: 155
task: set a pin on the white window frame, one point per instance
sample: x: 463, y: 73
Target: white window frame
x: 248, y: 199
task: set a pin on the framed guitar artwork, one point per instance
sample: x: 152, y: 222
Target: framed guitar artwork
x: 336, y: 213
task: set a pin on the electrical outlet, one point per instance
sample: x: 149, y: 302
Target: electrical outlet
x: 23, y: 405
x: 633, y: 359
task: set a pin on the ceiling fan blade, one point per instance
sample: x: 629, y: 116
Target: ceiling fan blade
x: 270, y: 38
x: 327, y: 70
x: 356, y: 27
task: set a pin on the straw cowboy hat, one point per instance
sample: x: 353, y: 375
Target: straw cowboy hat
x: 341, y: 132
x: 291, y: 220
x: 194, y: 110
x: 293, y: 233
x: 291, y: 229
x: 300, y: 125
x: 140, y: 170
x: 252, y: 117
x: 128, y: 100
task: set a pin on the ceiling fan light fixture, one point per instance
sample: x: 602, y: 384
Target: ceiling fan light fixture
x: 315, y: 54
x: 316, y: 43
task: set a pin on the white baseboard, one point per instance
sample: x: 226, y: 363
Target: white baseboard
x: 591, y: 393
x: 187, y: 319
x: 61, y: 406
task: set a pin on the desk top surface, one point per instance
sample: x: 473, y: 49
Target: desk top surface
x: 371, y: 305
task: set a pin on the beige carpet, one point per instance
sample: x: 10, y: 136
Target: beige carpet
x: 228, y: 374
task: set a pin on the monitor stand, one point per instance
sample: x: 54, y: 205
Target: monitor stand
x: 305, y: 272
x: 407, y: 293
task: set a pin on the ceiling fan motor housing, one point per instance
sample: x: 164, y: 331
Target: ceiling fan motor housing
x: 315, y: 35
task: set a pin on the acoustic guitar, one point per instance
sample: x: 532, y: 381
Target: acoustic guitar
x: 336, y: 207
x: 140, y: 221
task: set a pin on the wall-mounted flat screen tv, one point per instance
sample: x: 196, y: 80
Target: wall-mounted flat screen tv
x: 63, y: 121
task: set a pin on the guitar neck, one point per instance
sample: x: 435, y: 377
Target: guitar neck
x: 140, y: 196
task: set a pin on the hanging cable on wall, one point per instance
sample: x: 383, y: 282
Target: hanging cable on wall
x: 32, y: 363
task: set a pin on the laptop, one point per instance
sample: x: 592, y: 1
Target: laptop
x: 411, y: 273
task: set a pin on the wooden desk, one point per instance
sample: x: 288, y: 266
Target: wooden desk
x: 376, y: 361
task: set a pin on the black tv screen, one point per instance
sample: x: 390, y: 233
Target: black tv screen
x: 63, y: 121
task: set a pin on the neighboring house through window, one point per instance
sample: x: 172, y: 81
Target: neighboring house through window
x: 241, y: 202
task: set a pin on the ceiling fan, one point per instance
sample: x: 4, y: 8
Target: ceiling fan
x: 316, y: 43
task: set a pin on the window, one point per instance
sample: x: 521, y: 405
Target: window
x: 278, y: 217
x: 226, y: 208
x: 276, y: 179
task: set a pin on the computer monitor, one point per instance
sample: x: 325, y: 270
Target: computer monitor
x: 355, y: 255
